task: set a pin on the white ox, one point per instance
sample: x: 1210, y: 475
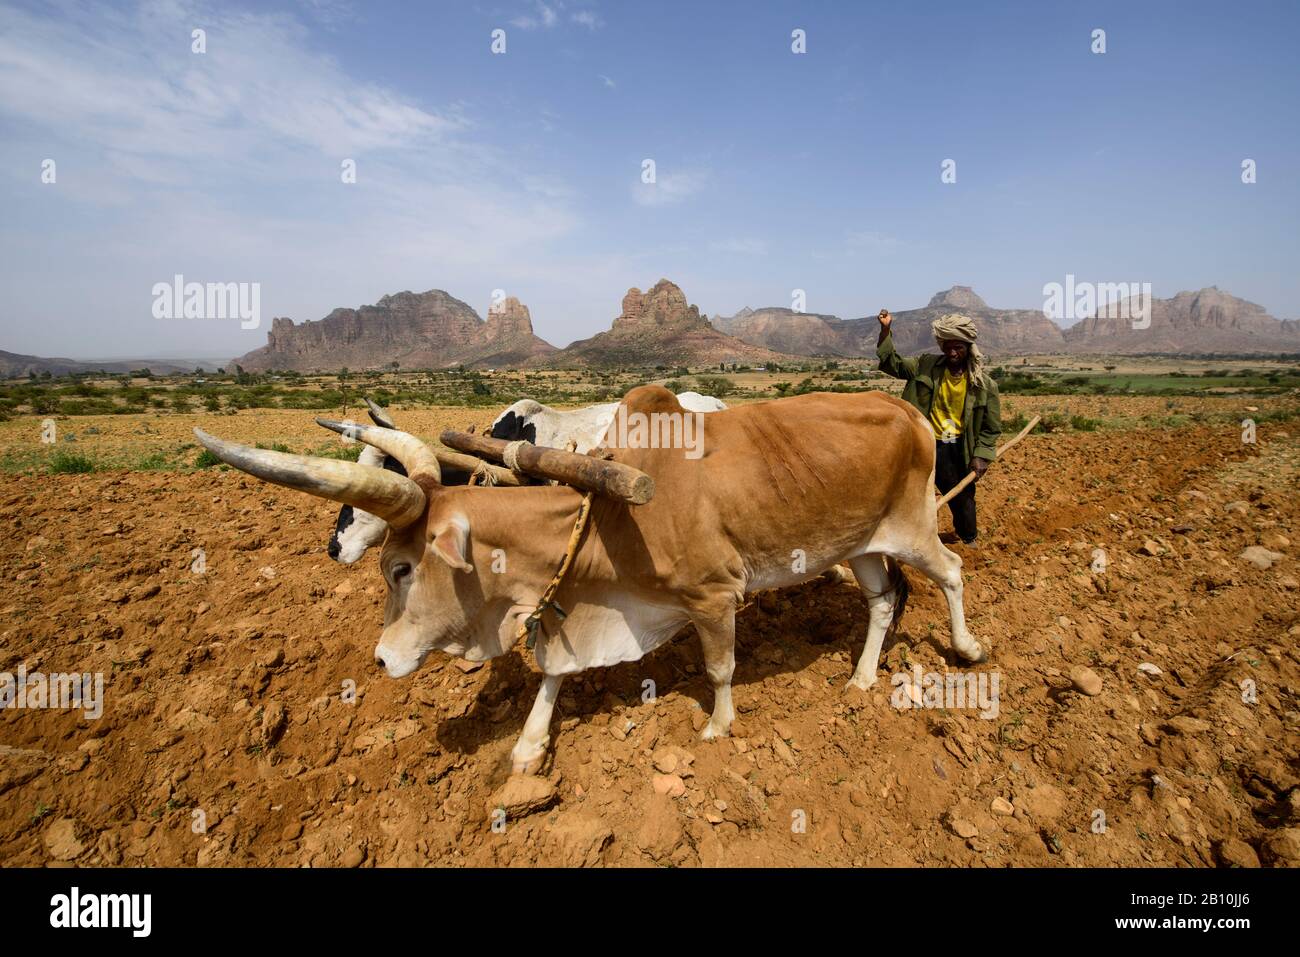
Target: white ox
x: 585, y: 428
x: 357, y: 531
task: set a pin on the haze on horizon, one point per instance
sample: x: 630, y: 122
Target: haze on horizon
x: 522, y: 171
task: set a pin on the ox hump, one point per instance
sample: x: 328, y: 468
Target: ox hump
x: 651, y: 398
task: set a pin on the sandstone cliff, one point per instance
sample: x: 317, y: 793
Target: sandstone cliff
x: 1208, y: 320
x: 428, y: 330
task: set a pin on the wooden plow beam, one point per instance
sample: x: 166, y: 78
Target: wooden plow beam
x: 1002, y: 449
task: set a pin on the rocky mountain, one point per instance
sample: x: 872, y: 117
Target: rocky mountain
x: 659, y: 327
x: 1192, y: 322
x: 814, y: 334
x: 1002, y: 331
x: 427, y: 330
x: 784, y: 330
x: 1208, y: 320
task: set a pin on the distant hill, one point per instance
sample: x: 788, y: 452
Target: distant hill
x: 13, y: 365
x: 658, y: 327
x: 428, y: 330
x: 1192, y: 322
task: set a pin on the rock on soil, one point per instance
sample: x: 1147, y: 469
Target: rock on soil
x: 1085, y: 680
x: 1260, y: 557
x: 523, y: 794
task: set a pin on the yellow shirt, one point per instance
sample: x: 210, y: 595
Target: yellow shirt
x: 946, y: 409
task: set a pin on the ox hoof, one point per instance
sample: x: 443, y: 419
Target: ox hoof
x: 860, y: 684
x: 530, y: 766
x: 529, y: 762
x: 978, y: 657
x: 712, y: 731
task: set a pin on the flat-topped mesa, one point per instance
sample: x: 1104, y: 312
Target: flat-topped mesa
x: 664, y: 305
x: 414, y: 330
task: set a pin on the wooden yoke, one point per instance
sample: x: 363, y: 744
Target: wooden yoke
x: 604, y: 478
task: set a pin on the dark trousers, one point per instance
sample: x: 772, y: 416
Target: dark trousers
x: 950, y: 467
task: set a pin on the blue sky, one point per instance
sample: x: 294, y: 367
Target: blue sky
x: 522, y: 171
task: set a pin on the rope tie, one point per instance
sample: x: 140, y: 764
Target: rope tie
x: 483, y: 476
x: 510, y: 455
x: 533, y: 623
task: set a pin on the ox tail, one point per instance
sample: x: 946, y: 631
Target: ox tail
x: 901, y: 589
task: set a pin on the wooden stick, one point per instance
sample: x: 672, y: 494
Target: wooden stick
x: 609, y: 479
x: 956, y: 489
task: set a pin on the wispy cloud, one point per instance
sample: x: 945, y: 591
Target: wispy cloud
x: 669, y: 188
x: 746, y: 246
x: 870, y: 241
x: 543, y: 17
x: 609, y: 84
x: 116, y: 80
x: 331, y: 14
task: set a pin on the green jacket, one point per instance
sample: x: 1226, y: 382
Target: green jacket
x: 981, y: 417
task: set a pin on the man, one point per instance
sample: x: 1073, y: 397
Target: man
x: 961, y: 401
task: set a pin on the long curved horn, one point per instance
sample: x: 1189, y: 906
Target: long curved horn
x: 395, y: 498
x: 416, y: 457
x: 379, y: 415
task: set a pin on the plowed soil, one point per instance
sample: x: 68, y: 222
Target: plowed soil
x: 227, y: 737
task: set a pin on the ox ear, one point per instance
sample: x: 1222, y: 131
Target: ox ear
x: 451, y: 543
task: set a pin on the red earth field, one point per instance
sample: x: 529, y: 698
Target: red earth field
x: 226, y: 738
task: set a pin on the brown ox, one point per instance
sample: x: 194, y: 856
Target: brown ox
x: 784, y: 490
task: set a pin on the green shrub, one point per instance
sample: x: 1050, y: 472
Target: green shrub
x: 205, y: 460
x: 1019, y: 382
x: 64, y: 462
x: 1051, y: 422
x: 347, y: 453
x: 715, y: 385
x: 153, y: 462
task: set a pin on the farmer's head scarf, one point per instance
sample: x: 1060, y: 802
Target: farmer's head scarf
x: 962, y: 329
